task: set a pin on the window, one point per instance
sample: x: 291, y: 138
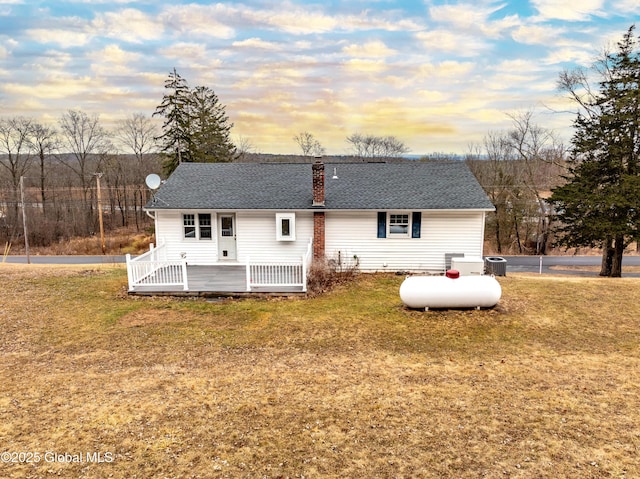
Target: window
x: 202, y: 229
x: 398, y: 225
x: 226, y: 226
x: 285, y: 226
x: 204, y: 220
x: 189, y: 222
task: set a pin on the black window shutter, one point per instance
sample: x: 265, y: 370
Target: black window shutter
x: 382, y: 224
x: 416, y: 220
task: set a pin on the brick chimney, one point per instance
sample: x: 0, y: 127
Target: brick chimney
x: 318, y: 236
x: 317, y: 170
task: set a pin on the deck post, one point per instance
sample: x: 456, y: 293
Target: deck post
x: 129, y: 272
x: 248, y: 275
x: 304, y: 274
x: 185, y: 280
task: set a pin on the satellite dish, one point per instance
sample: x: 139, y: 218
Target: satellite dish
x: 153, y: 181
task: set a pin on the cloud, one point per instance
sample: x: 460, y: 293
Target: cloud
x: 256, y: 44
x: 517, y: 65
x: 436, y: 72
x: 473, y: 18
x: 197, y: 20
x: 55, y: 86
x: 628, y: 6
x: 401, y: 118
x: 580, y: 56
x: 447, y: 69
x: 185, y: 51
x: 537, y: 34
x: 372, y: 49
x: 64, y: 38
x: 296, y: 19
x: 569, y: 11
x: 366, y: 66
x: 129, y: 25
x: 446, y: 41
x: 433, y: 96
x: 116, y: 55
x: 113, y: 60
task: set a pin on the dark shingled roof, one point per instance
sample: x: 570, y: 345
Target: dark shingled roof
x: 278, y: 186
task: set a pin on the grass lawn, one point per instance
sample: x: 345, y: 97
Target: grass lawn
x: 347, y: 385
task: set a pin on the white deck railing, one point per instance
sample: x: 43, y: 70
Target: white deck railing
x: 153, y: 269
x: 280, y: 274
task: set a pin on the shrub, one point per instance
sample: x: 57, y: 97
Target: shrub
x: 323, y: 276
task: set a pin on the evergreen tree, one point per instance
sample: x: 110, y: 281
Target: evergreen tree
x: 599, y: 205
x: 196, y: 127
x: 175, y: 141
x: 210, y: 128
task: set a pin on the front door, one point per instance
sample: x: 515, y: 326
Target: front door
x: 227, y: 237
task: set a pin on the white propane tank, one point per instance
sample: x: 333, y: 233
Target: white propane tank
x: 451, y: 291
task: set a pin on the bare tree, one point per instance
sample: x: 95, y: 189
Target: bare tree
x: 15, y: 134
x: 499, y: 176
x: 44, y: 141
x: 308, y: 144
x: 138, y: 134
x: 244, y: 147
x: 517, y: 170
x: 370, y: 146
x: 536, y: 147
x: 17, y: 155
x: 86, y: 143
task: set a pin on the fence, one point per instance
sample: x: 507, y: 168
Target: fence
x: 153, y: 269
x: 279, y: 274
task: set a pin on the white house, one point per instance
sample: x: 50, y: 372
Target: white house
x: 236, y: 227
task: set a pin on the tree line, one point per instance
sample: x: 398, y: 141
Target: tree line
x: 52, y: 172
x: 587, y: 196
x: 518, y: 168
x: 546, y: 194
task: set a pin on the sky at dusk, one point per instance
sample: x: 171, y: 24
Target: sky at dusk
x: 438, y: 75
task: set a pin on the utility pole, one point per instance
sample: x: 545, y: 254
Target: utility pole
x: 24, y: 221
x: 103, y: 245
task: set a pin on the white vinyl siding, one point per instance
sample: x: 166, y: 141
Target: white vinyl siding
x: 170, y: 229
x: 257, y: 239
x: 350, y: 234
x: 255, y: 235
x: 347, y: 235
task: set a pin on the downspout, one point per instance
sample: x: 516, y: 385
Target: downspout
x: 155, y: 223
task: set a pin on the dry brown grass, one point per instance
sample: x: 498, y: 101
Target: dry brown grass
x: 347, y: 384
x: 119, y: 241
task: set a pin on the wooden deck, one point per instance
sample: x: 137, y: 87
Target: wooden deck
x: 214, y: 280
